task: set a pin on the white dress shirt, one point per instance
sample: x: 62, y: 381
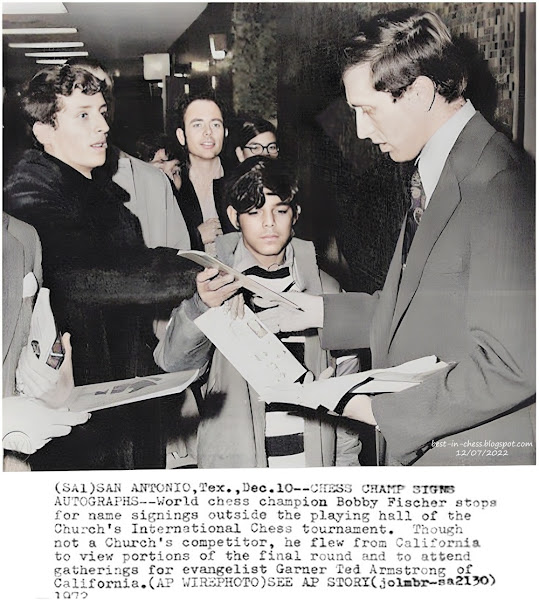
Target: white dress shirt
x: 432, y: 158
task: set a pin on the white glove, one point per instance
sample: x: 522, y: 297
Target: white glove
x: 36, y: 379
x: 28, y: 424
x: 281, y: 317
x: 37, y: 374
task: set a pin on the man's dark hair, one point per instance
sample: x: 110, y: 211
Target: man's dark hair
x: 184, y: 103
x: 41, y: 97
x: 405, y: 44
x: 247, y: 127
x: 245, y: 186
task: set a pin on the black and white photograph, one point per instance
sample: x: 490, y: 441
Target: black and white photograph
x: 292, y: 236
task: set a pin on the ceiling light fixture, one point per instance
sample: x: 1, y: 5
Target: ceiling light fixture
x: 40, y: 31
x: 156, y: 66
x: 200, y: 66
x: 46, y: 45
x: 54, y: 54
x: 52, y: 61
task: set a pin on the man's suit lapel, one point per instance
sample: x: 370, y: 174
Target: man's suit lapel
x: 442, y: 205
x: 461, y: 161
x: 382, y: 320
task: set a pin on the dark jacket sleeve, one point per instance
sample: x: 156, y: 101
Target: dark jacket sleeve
x: 347, y: 320
x: 88, y: 263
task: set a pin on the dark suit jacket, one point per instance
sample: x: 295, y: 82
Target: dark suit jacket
x: 192, y: 213
x: 467, y: 295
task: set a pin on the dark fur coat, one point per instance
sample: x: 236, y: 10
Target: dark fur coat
x: 106, y: 287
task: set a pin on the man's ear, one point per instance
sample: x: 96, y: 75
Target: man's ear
x: 239, y: 154
x: 422, y: 90
x: 226, y: 132
x: 180, y: 135
x: 298, y: 213
x: 42, y: 132
x: 233, y: 216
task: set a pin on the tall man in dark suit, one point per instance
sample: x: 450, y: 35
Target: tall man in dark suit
x: 461, y: 282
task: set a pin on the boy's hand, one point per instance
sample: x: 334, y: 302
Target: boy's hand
x: 214, y: 288
x: 236, y: 306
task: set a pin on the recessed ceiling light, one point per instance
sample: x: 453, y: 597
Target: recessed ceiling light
x: 200, y: 66
x: 46, y: 45
x: 52, y: 61
x: 39, y: 30
x: 54, y: 54
x: 35, y: 8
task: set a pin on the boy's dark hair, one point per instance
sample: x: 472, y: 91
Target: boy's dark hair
x: 245, y: 186
x: 189, y: 99
x: 401, y: 46
x: 247, y: 127
x: 92, y: 64
x: 148, y: 144
x: 41, y: 97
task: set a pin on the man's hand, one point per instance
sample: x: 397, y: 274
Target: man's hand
x: 38, y: 380
x: 280, y: 317
x: 359, y: 408
x: 214, y: 288
x: 314, y: 394
x: 209, y: 230
x: 296, y: 393
x: 28, y: 424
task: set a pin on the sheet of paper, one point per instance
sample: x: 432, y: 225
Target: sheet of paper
x: 205, y: 260
x: 114, y: 393
x: 375, y: 381
x: 255, y: 352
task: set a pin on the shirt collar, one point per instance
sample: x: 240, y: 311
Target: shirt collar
x: 244, y: 260
x: 432, y: 158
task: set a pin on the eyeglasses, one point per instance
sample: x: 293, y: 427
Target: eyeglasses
x: 259, y: 148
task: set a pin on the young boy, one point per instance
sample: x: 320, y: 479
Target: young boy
x: 236, y: 429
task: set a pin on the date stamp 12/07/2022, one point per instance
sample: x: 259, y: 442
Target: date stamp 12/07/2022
x: 479, y: 447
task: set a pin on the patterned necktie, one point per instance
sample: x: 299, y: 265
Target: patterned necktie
x: 414, y: 214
